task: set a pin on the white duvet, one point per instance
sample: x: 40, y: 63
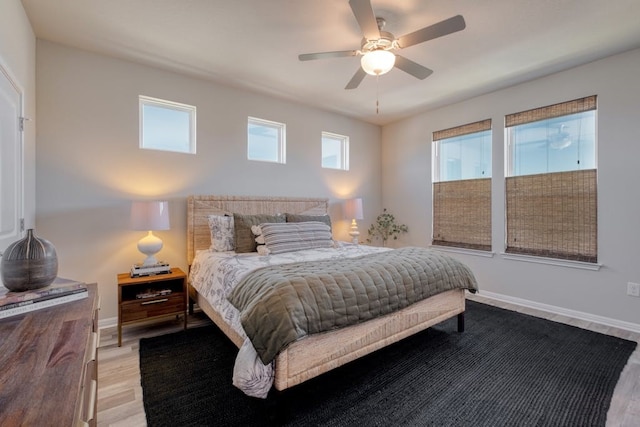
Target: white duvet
x: 215, y: 274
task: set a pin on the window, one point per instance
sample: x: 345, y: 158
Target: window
x: 266, y: 141
x: 551, y: 184
x: 557, y: 144
x: 335, y: 151
x: 462, y: 186
x: 167, y: 125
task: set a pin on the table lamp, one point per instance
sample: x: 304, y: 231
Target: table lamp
x: 150, y: 216
x: 353, y: 210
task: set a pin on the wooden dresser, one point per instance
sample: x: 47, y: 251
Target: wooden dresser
x: 49, y: 365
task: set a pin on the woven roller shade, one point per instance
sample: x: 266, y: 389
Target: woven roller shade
x: 462, y: 214
x: 462, y: 130
x: 564, y: 108
x: 553, y: 215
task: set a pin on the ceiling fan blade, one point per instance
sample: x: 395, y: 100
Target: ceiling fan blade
x: 366, y: 18
x: 413, y: 68
x: 356, y: 79
x: 434, y: 31
x: 322, y: 55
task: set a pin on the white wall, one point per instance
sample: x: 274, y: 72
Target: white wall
x: 89, y: 165
x: 406, y: 158
x: 18, y: 57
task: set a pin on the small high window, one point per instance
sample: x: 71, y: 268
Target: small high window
x: 266, y: 140
x: 167, y: 125
x: 335, y: 151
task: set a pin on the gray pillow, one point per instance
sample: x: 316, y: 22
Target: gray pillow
x: 245, y: 240
x: 325, y: 219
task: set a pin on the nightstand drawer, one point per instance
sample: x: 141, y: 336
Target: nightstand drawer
x: 150, y: 307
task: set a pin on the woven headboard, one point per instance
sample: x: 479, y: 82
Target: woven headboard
x: 199, y: 207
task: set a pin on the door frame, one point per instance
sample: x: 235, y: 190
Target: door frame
x: 18, y: 226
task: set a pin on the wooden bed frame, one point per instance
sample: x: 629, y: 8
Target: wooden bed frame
x: 319, y: 353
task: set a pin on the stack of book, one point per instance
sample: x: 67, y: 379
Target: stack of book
x: 139, y: 270
x: 152, y: 293
x: 59, y: 292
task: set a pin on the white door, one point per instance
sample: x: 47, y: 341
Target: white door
x: 11, y: 161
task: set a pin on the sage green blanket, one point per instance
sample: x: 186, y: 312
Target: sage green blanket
x: 280, y: 304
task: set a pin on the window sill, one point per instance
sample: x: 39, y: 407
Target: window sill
x: 552, y: 261
x: 474, y: 252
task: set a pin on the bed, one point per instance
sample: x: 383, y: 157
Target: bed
x: 316, y: 354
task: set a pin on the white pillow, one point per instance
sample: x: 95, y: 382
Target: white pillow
x: 296, y: 236
x: 222, y: 233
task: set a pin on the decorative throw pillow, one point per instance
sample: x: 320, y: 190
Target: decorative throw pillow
x: 245, y: 240
x: 296, y: 236
x: 222, y: 233
x: 326, y: 219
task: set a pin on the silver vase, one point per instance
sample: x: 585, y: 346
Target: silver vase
x: 29, y: 263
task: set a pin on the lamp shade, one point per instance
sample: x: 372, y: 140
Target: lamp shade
x: 378, y: 62
x: 353, y: 209
x: 150, y: 215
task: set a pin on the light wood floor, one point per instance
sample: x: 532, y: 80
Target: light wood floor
x: 120, y: 394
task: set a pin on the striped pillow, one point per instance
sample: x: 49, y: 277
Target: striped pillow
x: 296, y: 236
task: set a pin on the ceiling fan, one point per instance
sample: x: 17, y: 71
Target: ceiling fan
x: 377, y: 45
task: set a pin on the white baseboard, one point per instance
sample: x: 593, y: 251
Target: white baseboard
x: 607, y: 321
x: 108, y: 323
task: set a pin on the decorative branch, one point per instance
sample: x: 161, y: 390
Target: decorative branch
x: 385, y: 228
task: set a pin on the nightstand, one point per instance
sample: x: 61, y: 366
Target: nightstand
x: 150, y: 297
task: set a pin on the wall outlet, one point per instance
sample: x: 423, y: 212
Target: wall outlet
x: 633, y: 289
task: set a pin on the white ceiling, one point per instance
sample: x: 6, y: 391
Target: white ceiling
x: 255, y: 44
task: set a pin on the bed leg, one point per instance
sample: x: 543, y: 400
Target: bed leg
x: 190, y: 306
x: 461, y: 322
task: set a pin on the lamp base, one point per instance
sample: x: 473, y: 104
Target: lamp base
x: 354, y: 233
x: 150, y: 245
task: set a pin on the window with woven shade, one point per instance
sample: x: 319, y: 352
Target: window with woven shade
x: 551, y: 183
x: 462, y: 186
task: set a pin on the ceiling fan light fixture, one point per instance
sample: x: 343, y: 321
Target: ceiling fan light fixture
x: 378, y: 62
x: 377, y: 47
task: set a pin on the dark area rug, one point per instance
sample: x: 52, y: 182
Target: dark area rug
x: 506, y: 369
